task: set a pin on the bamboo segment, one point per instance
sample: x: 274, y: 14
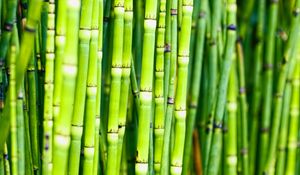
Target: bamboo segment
x: 62, y: 129
x: 48, y: 89
x: 285, y: 62
x: 216, y: 145
x: 145, y: 108
x: 114, y: 99
x: 125, y: 81
x: 159, y: 86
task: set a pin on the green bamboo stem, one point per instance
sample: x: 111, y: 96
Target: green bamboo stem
x: 25, y: 51
x: 125, y: 79
x: 167, y: 54
x: 212, y: 74
x: 134, y: 86
x: 13, y: 111
x: 231, y: 109
x: 48, y: 88
x: 287, y: 56
x: 257, y: 87
x: 181, y: 88
x: 62, y: 128
x: 81, y: 84
x: 284, y: 123
x: 60, y: 42
x: 6, y: 36
x: 21, y: 135
x: 165, y: 162
x: 98, y: 132
x: 114, y: 99
x: 195, y: 84
x: 159, y: 86
x: 267, y: 84
x: 91, y: 94
x: 216, y: 145
x: 33, y: 109
x: 294, y: 120
x: 243, y: 106
x: 6, y: 161
x: 145, y: 108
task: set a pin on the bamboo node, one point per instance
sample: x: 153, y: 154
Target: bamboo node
x: 231, y: 27
x: 29, y: 29
x: 296, y: 12
x: 8, y: 26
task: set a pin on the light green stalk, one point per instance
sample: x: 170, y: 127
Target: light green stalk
x: 181, y: 88
x: 81, y: 83
x: 159, y: 86
x: 294, y: 120
x: 98, y: 134
x: 125, y: 79
x: 62, y: 128
x: 91, y: 95
x: 48, y: 89
x: 114, y: 99
x: 145, y: 108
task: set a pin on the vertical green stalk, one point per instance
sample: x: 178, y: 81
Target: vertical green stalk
x: 62, y: 128
x: 145, y: 108
x: 195, y: 83
x: 167, y: 54
x: 212, y: 74
x: 231, y: 109
x: 81, y: 83
x: 294, y: 120
x: 91, y: 95
x: 125, y: 79
x: 116, y: 75
x: 13, y: 111
x: 285, y: 62
x: 216, y: 145
x: 181, y: 88
x: 159, y: 86
x: 267, y: 84
x: 165, y: 167
x: 48, y: 88
x: 257, y: 87
x: 98, y: 134
x: 243, y: 107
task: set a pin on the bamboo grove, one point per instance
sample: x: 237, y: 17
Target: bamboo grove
x: 204, y: 87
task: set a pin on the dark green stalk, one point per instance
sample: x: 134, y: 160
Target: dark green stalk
x: 212, y: 74
x: 287, y: 56
x: 216, y: 145
x: 267, y: 84
x: 167, y: 54
x: 195, y: 84
x: 256, y: 97
x: 27, y: 45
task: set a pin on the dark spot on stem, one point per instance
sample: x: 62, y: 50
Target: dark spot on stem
x: 265, y: 130
x: 167, y: 47
x: 170, y: 100
x: 8, y: 26
x: 202, y: 14
x: 29, y: 29
x: 267, y: 66
x: 244, y: 151
x: 24, y: 5
x: 173, y: 12
x: 231, y: 27
x: 296, y: 12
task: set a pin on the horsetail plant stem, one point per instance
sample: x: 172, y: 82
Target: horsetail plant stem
x: 216, y: 145
x: 159, y: 86
x: 62, y: 129
x: 145, y: 108
x: 270, y: 161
